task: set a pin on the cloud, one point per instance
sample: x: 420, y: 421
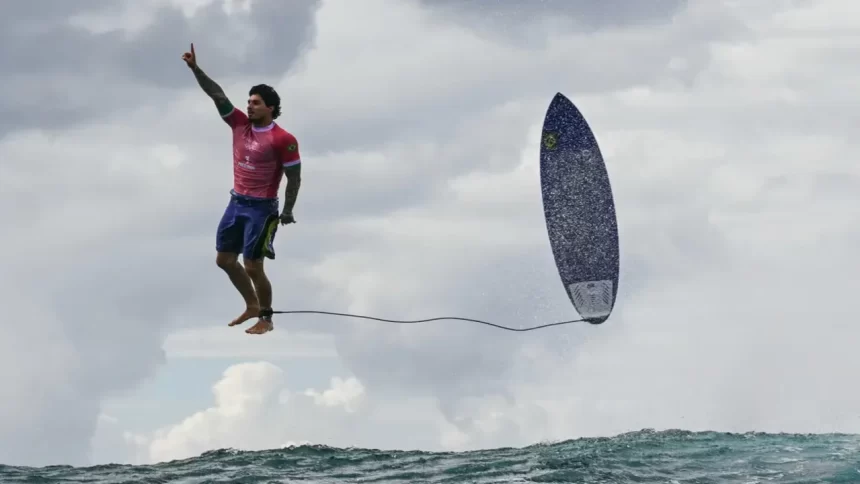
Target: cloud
x: 68, y: 66
x: 343, y: 393
x: 244, y: 399
x: 253, y: 410
x: 502, y: 18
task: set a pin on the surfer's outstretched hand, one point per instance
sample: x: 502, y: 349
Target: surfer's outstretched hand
x: 190, y: 58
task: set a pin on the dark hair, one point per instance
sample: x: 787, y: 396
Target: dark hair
x: 270, y: 98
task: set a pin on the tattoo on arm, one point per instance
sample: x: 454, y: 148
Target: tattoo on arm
x: 212, y: 88
x: 294, y: 182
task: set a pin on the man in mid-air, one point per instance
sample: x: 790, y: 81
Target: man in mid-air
x: 262, y: 153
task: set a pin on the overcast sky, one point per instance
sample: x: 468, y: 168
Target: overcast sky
x: 729, y: 133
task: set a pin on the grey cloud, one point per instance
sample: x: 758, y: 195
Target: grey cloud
x: 598, y: 14
x: 413, y: 175
x: 513, y: 19
x: 526, y: 78
x: 104, y: 310
x: 56, y: 74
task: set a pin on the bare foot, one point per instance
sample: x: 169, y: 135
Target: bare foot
x: 250, y: 312
x: 263, y: 326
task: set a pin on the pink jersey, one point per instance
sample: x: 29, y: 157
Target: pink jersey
x: 260, y: 155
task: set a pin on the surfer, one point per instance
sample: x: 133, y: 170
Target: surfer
x: 263, y: 152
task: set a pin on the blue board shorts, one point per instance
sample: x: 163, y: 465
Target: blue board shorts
x: 248, y: 227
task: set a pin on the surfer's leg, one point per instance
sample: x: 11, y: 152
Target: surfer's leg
x: 229, y: 243
x: 239, y: 277
x: 259, y: 245
x: 254, y: 269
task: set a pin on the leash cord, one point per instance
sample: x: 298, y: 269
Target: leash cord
x: 400, y: 321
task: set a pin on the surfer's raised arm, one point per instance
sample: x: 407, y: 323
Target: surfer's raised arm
x: 210, y: 87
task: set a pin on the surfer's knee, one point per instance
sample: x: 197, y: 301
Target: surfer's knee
x: 254, y: 268
x: 226, y: 260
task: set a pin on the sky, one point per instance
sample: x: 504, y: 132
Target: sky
x: 728, y: 130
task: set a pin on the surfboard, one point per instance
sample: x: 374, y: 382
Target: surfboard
x: 580, y: 211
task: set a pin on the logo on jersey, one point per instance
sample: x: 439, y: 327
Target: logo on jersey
x: 247, y: 164
x: 253, y: 145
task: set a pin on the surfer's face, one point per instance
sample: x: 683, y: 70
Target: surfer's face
x: 257, y: 109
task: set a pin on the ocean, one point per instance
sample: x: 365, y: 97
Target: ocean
x: 675, y: 457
